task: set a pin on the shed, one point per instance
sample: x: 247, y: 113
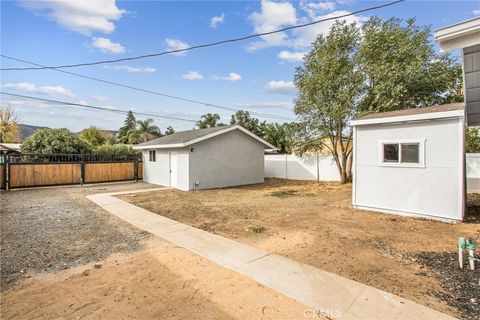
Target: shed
x: 10, y: 148
x: 205, y: 158
x: 411, y: 162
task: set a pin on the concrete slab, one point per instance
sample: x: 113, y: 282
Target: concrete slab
x: 328, y: 294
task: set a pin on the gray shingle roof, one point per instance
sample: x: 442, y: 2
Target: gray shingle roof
x: 183, y: 136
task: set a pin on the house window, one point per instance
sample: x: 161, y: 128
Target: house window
x: 151, y: 156
x: 402, y: 153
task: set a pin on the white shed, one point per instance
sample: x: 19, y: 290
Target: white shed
x: 205, y: 158
x: 411, y: 162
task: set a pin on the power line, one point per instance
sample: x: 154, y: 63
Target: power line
x: 207, y: 44
x: 115, y: 110
x: 259, y: 114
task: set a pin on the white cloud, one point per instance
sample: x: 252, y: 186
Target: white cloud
x: 99, y: 97
x: 175, y: 44
x: 31, y: 88
x: 292, y: 56
x: 192, y: 75
x: 476, y: 12
x: 277, y: 15
x: 232, y: 76
x: 273, y: 15
x: 280, y: 87
x: 131, y: 69
x: 312, y: 8
x: 83, y: 17
x: 217, y: 20
x: 107, y: 46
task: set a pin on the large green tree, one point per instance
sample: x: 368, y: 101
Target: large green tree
x: 9, y: 130
x: 250, y: 123
x: 381, y: 66
x: 280, y: 135
x: 209, y: 120
x: 55, y: 141
x: 169, y: 130
x: 128, y: 132
x: 472, y: 140
x: 93, y: 136
x: 329, y: 89
x: 147, y: 130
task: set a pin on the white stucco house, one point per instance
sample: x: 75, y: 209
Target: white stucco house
x: 205, y: 158
x: 411, y: 162
x: 465, y: 36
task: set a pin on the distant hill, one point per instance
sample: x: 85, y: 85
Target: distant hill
x: 27, y: 130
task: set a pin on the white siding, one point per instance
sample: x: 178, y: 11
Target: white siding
x: 301, y: 168
x: 229, y: 159
x: 158, y: 172
x: 435, y: 190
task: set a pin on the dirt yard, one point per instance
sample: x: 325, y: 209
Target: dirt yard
x: 314, y: 223
x: 62, y: 257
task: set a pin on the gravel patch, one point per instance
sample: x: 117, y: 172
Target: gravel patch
x: 48, y: 230
x: 462, y: 286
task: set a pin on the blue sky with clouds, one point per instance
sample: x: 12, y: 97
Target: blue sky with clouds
x: 255, y: 75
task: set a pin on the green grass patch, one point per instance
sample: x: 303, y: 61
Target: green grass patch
x: 284, y: 193
x: 256, y: 229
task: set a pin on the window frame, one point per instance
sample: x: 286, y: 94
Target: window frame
x: 400, y: 142
x: 152, y: 154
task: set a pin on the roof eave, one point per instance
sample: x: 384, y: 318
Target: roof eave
x: 409, y: 118
x: 460, y: 35
x: 205, y: 137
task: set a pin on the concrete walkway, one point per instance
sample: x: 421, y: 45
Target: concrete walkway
x: 328, y: 294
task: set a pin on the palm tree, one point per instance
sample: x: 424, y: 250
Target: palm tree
x: 208, y: 120
x: 147, y: 130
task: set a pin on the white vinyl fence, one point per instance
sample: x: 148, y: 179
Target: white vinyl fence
x: 319, y: 167
x: 473, y: 172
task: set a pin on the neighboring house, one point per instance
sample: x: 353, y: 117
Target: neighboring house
x: 205, y: 158
x: 411, y: 162
x: 466, y: 36
x: 10, y: 148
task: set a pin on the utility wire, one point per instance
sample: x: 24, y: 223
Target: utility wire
x: 207, y: 44
x: 115, y: 110
x: 259, y: 114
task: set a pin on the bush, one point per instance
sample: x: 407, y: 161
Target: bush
x: 115, y: 149
x: 55, y: 141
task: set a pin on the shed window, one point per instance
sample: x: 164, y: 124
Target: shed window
x: 410, y: 152
x: 407, y: 153
x: 390, y: 152
x: 151, y: 156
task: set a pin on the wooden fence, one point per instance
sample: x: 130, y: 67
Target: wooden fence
x: 24, y: 173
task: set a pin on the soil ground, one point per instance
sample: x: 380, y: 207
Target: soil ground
x: 63, y: 257
x: 314, y: 223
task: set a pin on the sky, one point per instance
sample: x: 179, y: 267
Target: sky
x: 255, y: 75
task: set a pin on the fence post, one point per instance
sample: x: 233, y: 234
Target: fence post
x: 7, y: 172
x: 3, y: 184
x: 82, y: 170
x: 135, y: 169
